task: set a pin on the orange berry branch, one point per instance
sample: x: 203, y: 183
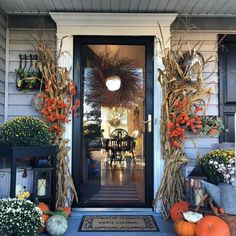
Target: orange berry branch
x: 180, y: 121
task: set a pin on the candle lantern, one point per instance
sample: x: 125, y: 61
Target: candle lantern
x: 42, y: 172
x: 196, y: 190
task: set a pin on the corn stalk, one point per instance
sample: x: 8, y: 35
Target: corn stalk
x: 176, y: 85
x: 55, y: 106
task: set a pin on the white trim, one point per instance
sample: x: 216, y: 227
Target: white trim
x: 111, y: 23
x: 123, y: 24
x: 6, y: 76
x: 66, y: 60
x: 112, y: 19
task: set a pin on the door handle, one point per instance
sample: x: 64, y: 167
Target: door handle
x: 149, y: 122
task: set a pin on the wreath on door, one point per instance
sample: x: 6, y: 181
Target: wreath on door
x: 109, y: 66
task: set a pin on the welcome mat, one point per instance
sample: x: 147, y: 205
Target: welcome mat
x: 118, y: 223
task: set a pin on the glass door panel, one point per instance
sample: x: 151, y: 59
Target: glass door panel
x: 113, y: 153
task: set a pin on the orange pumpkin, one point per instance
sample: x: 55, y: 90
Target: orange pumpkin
x: 177, y: 210
x: 45, y: 217
x: 67, y: 210
x: 185, y: 228
x: 212, y: 226
x: 43, y: 207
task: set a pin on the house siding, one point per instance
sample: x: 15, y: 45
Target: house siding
x: 19, y: 103
x: 3, y: 23
x: 22, y: 41
x: 194, y: 145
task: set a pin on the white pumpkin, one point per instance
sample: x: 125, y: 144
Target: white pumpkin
x: 192, y: 217
x: 56, y: 225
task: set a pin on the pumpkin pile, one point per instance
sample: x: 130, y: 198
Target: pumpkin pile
x: 55, y: 222
x: 188, y: 223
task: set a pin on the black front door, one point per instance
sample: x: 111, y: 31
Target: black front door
x: 227, y: 83
x: 113, y: 134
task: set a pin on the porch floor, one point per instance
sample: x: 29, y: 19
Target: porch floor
x: 166, y: 228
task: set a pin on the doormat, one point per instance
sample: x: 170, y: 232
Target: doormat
x: 117, y: 223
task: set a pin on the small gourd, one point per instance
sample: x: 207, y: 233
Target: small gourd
x: 56, y: 225
x: 185, y: 228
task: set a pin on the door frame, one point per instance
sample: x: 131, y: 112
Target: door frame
x: 229, y: 108
x: 77, y: 129
x: 70, y: 24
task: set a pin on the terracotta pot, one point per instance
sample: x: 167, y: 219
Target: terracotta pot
x: 213, y: 132
x: 198, y: 126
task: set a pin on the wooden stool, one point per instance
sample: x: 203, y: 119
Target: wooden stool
x: 208, y: 198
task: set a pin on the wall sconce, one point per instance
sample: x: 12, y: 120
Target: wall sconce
x: 113, y: 83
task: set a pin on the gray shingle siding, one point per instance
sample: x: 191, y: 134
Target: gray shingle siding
x: 3, y: 23
x: 21, y: 41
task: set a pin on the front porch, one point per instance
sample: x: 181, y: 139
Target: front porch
x: 122, y: 170
x: 166, y: 228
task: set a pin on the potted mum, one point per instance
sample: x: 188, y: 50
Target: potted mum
x: 19, y: 217
x: 25, y: 132
x: 26, y: 138
x: 219, y: 166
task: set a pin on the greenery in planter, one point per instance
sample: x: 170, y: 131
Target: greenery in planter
x: 19, y: 217
x: 28, y: 79
x: 219, y: 166
x: 208, y: 125
x: 25, y: 132
x: 212, y: 125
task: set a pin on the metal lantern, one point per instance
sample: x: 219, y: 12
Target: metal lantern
x: 196, y: 190
x: 42, y: 179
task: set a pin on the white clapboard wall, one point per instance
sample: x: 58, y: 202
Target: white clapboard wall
x: 194, y: 145
x: 22, y: 41
x: 3, y: 23
x: 19, y: 103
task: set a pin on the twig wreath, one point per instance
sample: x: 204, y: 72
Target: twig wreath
x: 107, y: 65
x: 182, y: 99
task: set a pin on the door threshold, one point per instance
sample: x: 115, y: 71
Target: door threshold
x: 90, y: 209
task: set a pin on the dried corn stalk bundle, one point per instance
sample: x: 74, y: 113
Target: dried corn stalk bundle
x: 183, y: 94
x: 55, y: 106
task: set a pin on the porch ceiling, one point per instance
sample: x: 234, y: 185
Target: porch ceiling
x: 183, y: 7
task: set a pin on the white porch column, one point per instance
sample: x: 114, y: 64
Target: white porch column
x: 120, y: 24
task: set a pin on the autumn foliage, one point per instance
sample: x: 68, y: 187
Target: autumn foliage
x: 55, y: 104
x: 184, y: 97
x: 180, y: 121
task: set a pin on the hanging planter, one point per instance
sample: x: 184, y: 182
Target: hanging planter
x: 210, y: 126
x: 27, y: 76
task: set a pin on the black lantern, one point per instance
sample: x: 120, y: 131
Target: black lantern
x: 196, y: 190
x: 42, y: 179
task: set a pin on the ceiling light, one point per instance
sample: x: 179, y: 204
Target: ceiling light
x: 113, y: 83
